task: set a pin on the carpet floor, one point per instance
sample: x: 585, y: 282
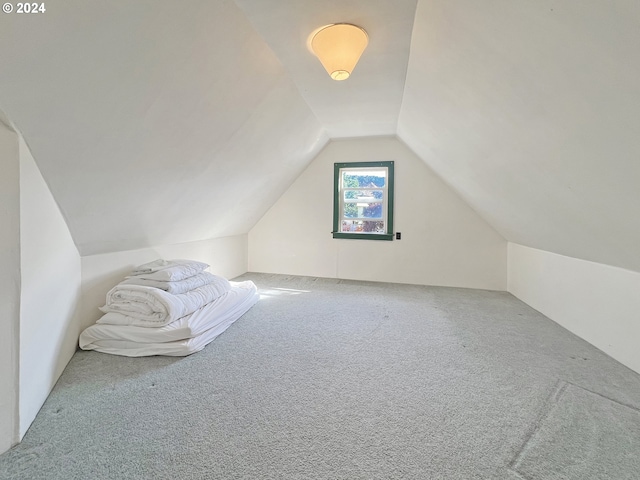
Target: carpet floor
x: 335, y: 379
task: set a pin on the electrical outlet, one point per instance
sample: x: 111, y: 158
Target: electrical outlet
x: 398, y: 236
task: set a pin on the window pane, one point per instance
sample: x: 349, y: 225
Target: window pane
x: 370, y: 210
x: 351, y: 210
x: 362, y: 226
x: 356, y: 209
x: 363, y: 195
x: 368, y: 178
x: 351, y: 194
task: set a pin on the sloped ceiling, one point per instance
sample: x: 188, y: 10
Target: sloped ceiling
x: 531, y: 112
x: 159, y: 122
x: 154, y: 122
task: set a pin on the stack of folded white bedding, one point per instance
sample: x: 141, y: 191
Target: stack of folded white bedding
x: 168, y: 308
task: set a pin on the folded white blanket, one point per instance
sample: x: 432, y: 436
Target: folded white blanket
x: 178, y: 348
x: 152, y: 307
x: 177, y: 287
x: 169, y: 270
x: 241, y: 297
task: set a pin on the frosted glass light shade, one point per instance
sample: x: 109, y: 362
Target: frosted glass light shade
x: 338, y: 47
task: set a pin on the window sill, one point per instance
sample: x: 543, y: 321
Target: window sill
x: 364, y: 236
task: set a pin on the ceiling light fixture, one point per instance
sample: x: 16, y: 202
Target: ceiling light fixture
x: 338, y: 47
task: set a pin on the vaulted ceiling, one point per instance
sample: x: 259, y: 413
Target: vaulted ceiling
x: 159, y: 122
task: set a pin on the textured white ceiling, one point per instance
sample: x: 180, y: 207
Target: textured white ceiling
x: 159, y: 122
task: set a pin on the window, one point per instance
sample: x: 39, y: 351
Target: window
x: 363, y: 200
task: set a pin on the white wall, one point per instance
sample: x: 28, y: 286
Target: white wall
x: 444, y: 242
x: 597, y: 302
x: 9, y: 283
x: 226, y: 255
x: 50, y: 293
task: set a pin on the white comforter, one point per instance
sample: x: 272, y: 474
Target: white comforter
x: 151, y: 307
x: 176, y: 287
x: 182, y: 337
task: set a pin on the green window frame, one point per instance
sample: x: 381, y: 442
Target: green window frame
x: 363, y: 212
